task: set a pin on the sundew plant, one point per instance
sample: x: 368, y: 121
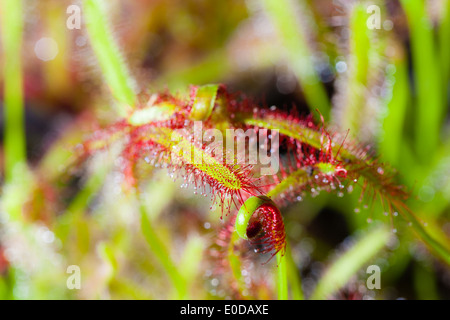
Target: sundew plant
x: 259, y: 149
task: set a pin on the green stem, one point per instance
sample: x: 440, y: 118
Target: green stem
x: 286, y: 266
x: 243, y: 217
x: 293, y: 276
x: 282, y: 277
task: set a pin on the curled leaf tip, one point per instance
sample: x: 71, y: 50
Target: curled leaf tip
x: 259, y: 221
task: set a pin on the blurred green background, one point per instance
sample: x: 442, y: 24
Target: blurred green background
x: 378, y: 68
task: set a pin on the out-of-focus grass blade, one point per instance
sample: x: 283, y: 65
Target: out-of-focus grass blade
x: 106, y: 251
x: 162, y: 254
x: 13, y: 108
x: 358, y: 64
x: 192, y: 257
x: 158, y: 194
x: 282, y: 13
x: 427, y: 77
x: 57, y: 76
x: 425, y: 282
x: 210, y: 69
x: 115, y: 72
x: 18, y: 178
x: 391, y: 137
x: 350, y: 262
x: 444, y: 42
x: 74, y: 212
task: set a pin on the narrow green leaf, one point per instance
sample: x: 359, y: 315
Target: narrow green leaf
x: 358, y: 65
x: 444, y: 42
x: 391, y: 137
x: 13, y: 110
x: 293, y: 36
x: 427, y: 77
x: 162, y: 254
x: 351, y: 262
x: 111, y: 62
